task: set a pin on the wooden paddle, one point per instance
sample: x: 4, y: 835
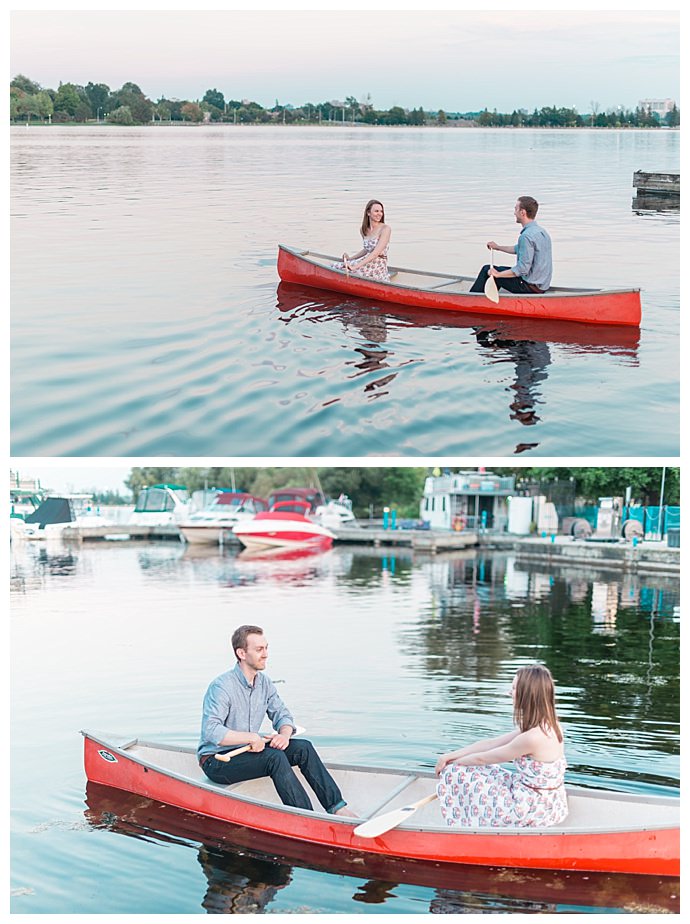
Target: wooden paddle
x: 382, y: 823
x: 490, y: 287
x: 247, y: 747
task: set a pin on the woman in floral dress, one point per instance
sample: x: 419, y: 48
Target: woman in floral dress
x: 475, y: 791
x: 372, y: 260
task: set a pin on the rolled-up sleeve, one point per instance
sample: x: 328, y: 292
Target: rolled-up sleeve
x: 216, y: 714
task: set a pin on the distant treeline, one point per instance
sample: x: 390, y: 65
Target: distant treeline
x: 402, y: 488
x: 96, y: 102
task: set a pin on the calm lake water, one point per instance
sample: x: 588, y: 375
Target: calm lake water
x: 385, y: 659
x: 148, y: 320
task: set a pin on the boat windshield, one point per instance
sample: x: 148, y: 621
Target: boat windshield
x: 160, y: 499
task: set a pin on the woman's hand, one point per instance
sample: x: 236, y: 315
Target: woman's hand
x: 443, y: 762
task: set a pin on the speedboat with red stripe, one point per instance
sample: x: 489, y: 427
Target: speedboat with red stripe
x: 286, y: 524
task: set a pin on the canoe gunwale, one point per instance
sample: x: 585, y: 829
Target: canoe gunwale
x: 552, y: 293
x: 441, y: 830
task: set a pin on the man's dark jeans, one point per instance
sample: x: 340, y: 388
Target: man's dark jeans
x: 510, y: 283
x: 278, y: 765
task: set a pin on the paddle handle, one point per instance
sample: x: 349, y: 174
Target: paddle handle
x: 247, y: 747
x: 231, y: 754
x: 425, y: 801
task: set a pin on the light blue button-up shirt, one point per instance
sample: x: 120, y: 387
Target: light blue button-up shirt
x: 233, y: 704
x: 534, y: 263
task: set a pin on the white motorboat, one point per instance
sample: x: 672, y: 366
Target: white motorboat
x: 55, y: 514
x: 161, y: 504
x: 214, y: 524
x: 335, y: 513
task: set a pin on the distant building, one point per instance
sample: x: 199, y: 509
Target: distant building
x: 467, y: 500
x: 660, y: 107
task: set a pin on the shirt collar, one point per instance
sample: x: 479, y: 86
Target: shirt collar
x: 240, y: 674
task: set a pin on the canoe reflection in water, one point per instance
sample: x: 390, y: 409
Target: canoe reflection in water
x: 524, y: 343
x: 246, y: 869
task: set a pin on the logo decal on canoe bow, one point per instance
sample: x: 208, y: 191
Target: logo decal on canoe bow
x: 106, y: 755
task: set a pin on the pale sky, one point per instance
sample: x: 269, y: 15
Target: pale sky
x: 459, y: 61
x: 73, y: 477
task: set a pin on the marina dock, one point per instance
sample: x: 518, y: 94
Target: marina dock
x: 649, y: 555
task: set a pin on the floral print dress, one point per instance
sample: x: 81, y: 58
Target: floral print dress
x: 377, y: 269
x: 531, y: 796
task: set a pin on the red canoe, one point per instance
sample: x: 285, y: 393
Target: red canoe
x: 450, y: 292
x: 604, y: 832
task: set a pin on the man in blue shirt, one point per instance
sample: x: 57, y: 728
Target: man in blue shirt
x: 533, y: 270
x: 234, y: 708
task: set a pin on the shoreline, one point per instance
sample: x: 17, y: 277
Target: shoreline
x: 352, y: 125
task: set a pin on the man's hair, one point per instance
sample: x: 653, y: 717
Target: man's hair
x: 530, y: 205
x: 239, y: 637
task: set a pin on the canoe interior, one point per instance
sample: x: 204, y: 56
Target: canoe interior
x: 374, y: 791
x: 441, y: 282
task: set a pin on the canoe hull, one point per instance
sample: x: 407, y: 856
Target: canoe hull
x: 616, y: 307
x: 653, y: 852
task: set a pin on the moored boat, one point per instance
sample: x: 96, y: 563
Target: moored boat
x: 450, y: 292
x: 55, y: 514
x: 160, y: 505
x: 215, y: 522
x: 604, y: 832
x: 285, y: 524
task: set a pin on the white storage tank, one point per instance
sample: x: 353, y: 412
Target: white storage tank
x: 519, y: 515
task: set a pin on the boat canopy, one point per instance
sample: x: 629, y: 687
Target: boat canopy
x: 52, y: 510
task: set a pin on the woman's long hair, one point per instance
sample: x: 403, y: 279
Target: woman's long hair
x: 535, y: 700
x: 366, y: 221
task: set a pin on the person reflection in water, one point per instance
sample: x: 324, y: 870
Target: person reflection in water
x: 235, y: 705
x: 240, y: 884
x: 372, y: 260
x: 531, y: 360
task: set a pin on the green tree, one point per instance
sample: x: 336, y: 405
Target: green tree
x: 162, y: 111
x: 98, y: 95
x: 121, y: 116
x: 68, y: 100
x: 15, y: 101
x: 214, y: 98
x: 442, y: 118
x: 192, y: 112
x: 594, y: 482
x: 672, y: 118
x: 396, y: 115
x: 352, y: 104
x: 44, y: 104
x: 20, y: 82
x: 215, y: 114
x: 130, y: 96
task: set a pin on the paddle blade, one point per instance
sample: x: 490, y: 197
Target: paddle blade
x: 491, y: 289
x: 382, y: 823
